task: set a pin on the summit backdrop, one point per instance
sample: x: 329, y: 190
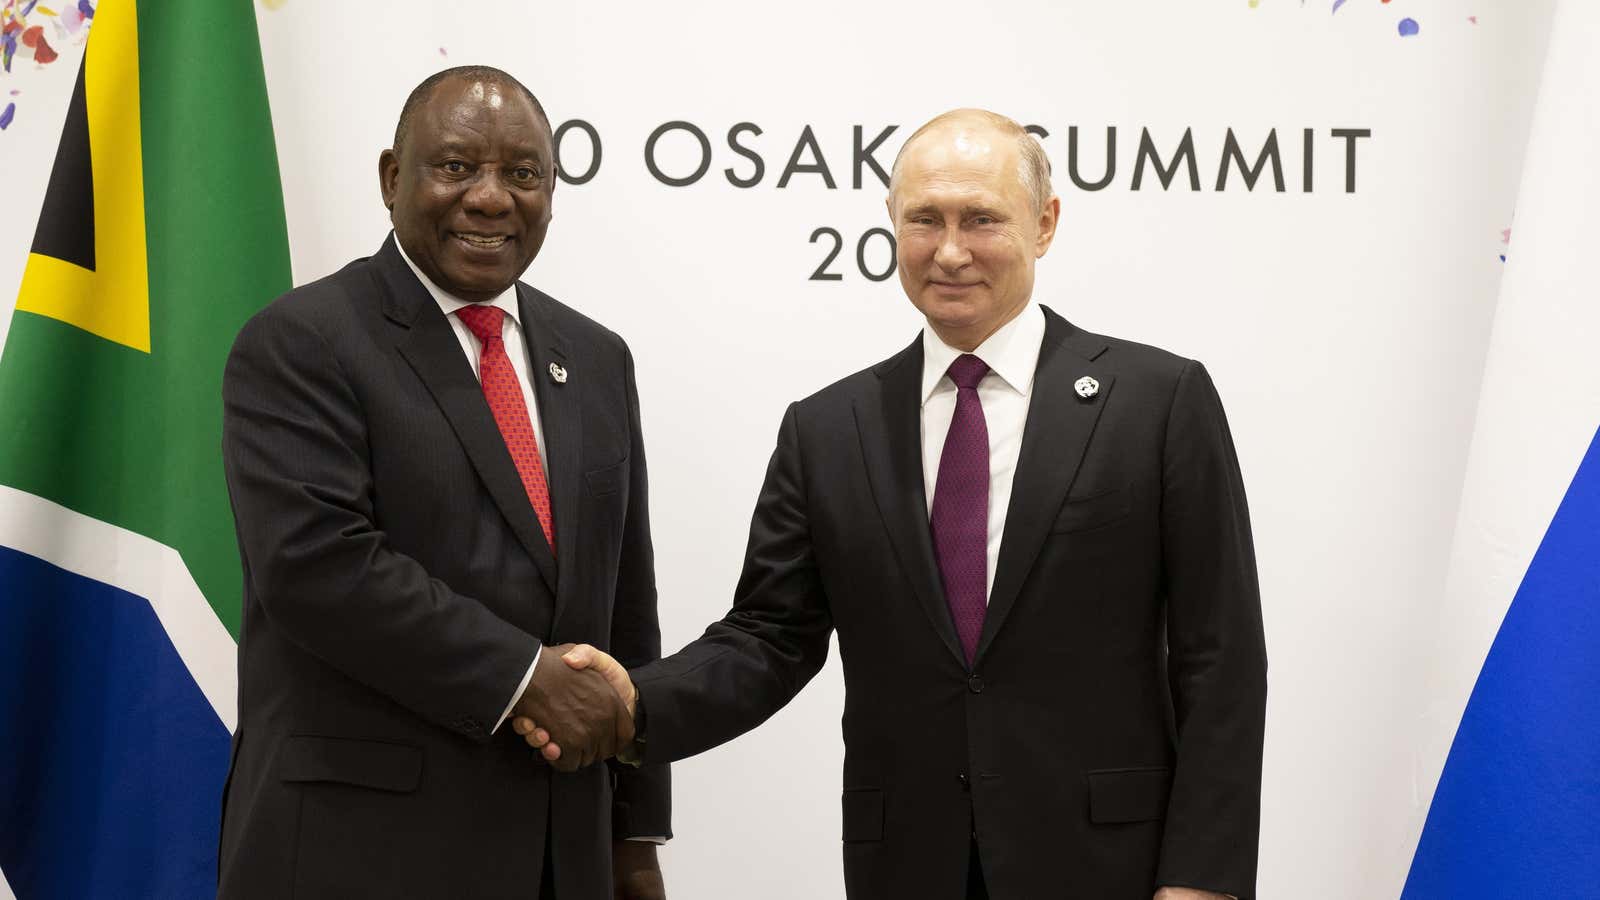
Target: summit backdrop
x: 1312, y: 198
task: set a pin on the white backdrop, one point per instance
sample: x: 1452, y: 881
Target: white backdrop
x: 1346, y: 330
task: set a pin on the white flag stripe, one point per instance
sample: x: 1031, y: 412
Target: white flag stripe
x: 140, y: 566
x: 1539, y: 405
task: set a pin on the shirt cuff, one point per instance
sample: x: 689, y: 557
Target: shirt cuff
x: 526, y: 678
x: 650, y: 839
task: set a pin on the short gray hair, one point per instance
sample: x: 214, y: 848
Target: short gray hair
x: 1033, y: 167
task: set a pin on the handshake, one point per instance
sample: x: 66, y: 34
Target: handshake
x: 578, y: 708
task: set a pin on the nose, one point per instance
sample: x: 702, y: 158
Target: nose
x: 951, y: 254
x: 488, y: 195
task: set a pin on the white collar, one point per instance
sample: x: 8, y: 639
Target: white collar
x: 449, y: 303
x: 1012, y: 352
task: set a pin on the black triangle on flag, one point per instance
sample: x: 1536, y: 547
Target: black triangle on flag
x: 66, y: 223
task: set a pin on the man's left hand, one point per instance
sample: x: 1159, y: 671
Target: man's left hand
x: 1184, y: 893
x: 636, y: 871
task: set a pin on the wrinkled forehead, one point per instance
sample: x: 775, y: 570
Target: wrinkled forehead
x: 963, y: 158
x: 481, y: 111
x: 968, y: 140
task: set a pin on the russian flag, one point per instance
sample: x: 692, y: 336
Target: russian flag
x: 1516, y: 811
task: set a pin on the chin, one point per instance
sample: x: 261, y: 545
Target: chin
x: 954, y: 313
x: 485, y: 281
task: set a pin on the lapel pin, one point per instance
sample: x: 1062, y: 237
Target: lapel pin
x: 1086, y: 387
x: 558, y: 374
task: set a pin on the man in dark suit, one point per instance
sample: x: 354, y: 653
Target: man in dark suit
x: 1033, y: 543
x: 436, y: 471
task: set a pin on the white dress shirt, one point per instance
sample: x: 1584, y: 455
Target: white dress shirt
x: 1012, y: 354
x: 517, y: 350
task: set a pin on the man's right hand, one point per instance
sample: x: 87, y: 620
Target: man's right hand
x: 580, y: 709
x: 582, y: 659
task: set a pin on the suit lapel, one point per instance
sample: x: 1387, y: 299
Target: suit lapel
x: 1057, y: 432
x: 431, y: 348
x: 561, y: 420
x: 890, y: 425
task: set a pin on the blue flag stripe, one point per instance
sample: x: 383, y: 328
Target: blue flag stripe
x: 112, y: 747
x: 1517, y: 810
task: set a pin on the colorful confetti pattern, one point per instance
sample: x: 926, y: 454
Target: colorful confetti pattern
x: 28, y: 28
x: 1408, y: 27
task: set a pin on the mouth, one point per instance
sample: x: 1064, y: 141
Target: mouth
x: 479, y: 241
x: 954, y: 286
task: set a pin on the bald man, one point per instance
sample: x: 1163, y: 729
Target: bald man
x: 1033, y: 543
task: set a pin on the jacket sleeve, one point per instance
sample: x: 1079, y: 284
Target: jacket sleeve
x: 642, y: 806
x: 295, y: 453
x: 1217, y: 663
x: 774, y: 640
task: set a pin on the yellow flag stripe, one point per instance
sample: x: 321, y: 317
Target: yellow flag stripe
x: 113, y: 301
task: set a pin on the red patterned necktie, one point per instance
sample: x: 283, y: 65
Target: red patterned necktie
x: 504, y: 393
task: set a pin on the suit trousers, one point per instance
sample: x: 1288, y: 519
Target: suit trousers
x: 976, y: 889
x: 547, y: 878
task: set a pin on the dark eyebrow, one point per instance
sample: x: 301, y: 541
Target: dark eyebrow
x: 459, y: 145
x: 966, y: 211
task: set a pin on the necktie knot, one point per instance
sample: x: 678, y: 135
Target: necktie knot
x: 967, y: 371
x: 482, y: 320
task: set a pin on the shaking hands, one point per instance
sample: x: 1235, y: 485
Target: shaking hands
x: 578, y: 708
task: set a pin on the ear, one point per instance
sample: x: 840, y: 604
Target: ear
x: 888, y: 204
x: 388, y: 177
x: 1047, y: 225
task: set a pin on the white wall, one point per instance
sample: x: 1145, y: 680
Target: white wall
x: 1346, y: 331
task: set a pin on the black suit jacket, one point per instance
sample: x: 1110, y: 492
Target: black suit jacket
x: 396, y: 586
x: 1107, y: 739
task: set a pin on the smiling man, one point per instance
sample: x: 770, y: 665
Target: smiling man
x: 1033, y: 543
x: 436, y: 471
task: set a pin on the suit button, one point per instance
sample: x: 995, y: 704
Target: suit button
x: 975, y: 684
x: 965, y: 785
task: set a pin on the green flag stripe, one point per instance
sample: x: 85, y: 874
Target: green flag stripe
x: 130, y: 438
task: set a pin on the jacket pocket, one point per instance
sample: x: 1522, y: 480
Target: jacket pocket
x: 1093, y: 511
x: 607, y: 480
x: 1129, y: 795
x: 863, y: 814
x: 380, y: 765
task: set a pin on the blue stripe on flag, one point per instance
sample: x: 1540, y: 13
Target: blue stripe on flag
x: 114, y: 760
x: 1517, y: 811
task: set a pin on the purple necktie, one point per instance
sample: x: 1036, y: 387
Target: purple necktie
x: 960, y: 519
